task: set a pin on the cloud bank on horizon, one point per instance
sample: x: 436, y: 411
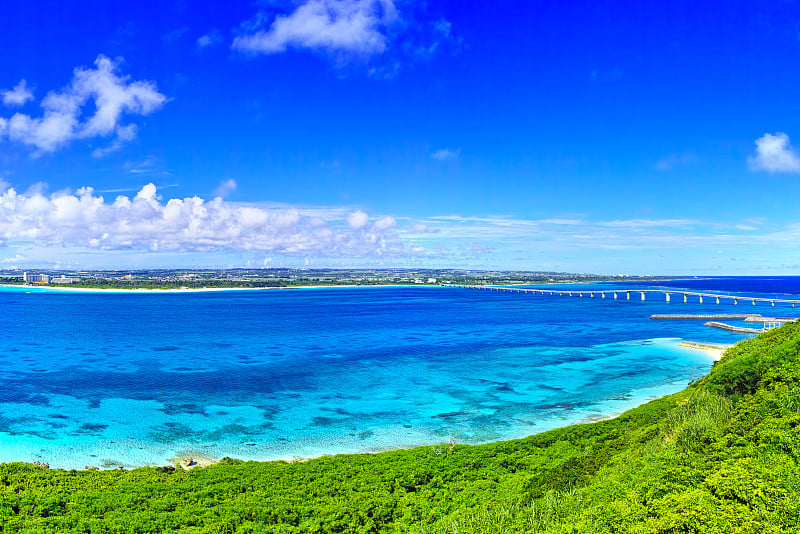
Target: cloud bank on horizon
x: 64, y: 224
x: 144, y: 222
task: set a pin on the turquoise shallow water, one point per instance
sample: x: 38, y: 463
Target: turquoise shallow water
x: 135, y: 379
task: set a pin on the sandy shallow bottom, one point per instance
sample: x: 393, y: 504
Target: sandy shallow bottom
x: 116, y: 379
x: 401, y: 408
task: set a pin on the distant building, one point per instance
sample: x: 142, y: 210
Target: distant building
x: 35, y: 278
x: 64, y: 280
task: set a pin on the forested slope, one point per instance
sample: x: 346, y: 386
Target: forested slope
x: 721, y: 456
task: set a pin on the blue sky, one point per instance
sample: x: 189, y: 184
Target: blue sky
x: 604, y: 137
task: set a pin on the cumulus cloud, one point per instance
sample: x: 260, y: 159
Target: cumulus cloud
x: 357, y: 220
x: 774, y: 153
x: 444, y: 154
x: 356, y: 26
x: 106, y: 93
x: 147, y: 222
x: 384, y: 223
x: 225, y: 188
x: 14, y: 259
x: 18, y: 95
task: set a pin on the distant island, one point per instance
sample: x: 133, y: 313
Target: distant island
x: 278, y: 277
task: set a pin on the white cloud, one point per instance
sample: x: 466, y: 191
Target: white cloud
x: 774, y: 153
x: 18, y: 95
x: 384, y: 223
x: 225, y: 188
x: 146, y: 222
x: 211, y: 38
x: 444, y: 154
x: 355, y: 26
x: 14, y: 259
x: 111, y: 96
x: 357, y: 220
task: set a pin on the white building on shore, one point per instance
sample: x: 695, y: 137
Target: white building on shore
x: 47, y: 279
x: 35, y: 278
x: 64, y: 280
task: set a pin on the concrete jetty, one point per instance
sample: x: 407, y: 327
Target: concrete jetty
x: 736, y: 329
x: 760, y: 319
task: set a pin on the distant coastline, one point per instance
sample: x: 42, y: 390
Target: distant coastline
x: 137, y: 288
x: 195, y: 289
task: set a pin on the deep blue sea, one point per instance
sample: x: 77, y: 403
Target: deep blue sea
x: 142, y: 378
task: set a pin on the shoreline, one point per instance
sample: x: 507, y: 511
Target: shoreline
x: 714, y: 350
x: 174, y: 290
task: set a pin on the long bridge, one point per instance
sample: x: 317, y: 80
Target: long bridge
x: 638, y: 294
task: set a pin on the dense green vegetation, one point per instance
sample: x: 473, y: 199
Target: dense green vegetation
x: 719, y: 457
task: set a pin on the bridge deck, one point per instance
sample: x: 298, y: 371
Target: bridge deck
x: 668, y: 294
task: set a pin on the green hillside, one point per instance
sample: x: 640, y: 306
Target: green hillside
x: 718, y: 457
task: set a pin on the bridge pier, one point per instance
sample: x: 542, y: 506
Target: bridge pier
x: 642, y: 294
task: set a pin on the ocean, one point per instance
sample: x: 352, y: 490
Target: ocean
x: 144, y: 378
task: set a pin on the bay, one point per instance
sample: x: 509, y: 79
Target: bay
x: 142, y: 378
